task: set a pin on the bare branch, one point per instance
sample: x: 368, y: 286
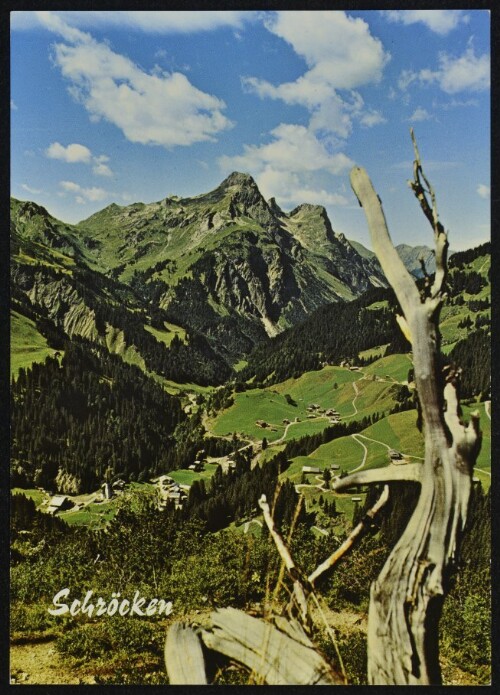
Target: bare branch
x: 431, y: 213
x: 353, y: 536
x: 466, y: 439
x: 392, y: 265
x: 299, y: 589
x: 391, y: 473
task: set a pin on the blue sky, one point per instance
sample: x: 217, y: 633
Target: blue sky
x: 135, y: 106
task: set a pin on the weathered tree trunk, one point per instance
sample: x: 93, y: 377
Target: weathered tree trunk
x: 406, y: 598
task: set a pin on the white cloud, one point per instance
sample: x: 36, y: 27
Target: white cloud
x: 294, y: 148
x: 290, y: 166
x: 439, y: 21
x: 70, y: 186
x: 100, y: 167
x: 467, y: 72
x: 29, y: 189
x: 483, y: 191
x: 72, y: 153
x: 157, y: 109
x: 371, y: 118
x: 339, y: 50
x: 291, y: 189
x: 13, y: 107
x: 102, y: 170
x: 340, y: 54
x: 76, y: 153
x: 157, y: 22
x: 419, y: 115
x: 84, y: 195
x: 454, y: 104
x: 406, y: 78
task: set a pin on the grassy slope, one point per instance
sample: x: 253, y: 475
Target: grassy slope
x: 169, y: 334
x: 316, y: 387
x: 393, y: 366
x: 27, y: 345
x: 397, y: 431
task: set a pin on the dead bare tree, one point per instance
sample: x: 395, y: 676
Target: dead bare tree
x: 407, y: 596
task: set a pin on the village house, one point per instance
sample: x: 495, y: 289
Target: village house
x: 59, y: 503
x: 165, y: 481
x: 173, y: 493
x: 311, y: 469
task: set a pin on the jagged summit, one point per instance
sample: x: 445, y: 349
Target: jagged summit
x: 308, y: 208
x: 29, y: 209
x: 237, y: 178
x: 275, y: 208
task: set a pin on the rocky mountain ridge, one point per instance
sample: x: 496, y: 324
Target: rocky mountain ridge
x: 227, y: 265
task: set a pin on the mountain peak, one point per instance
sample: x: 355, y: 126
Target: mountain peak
x: 30, y: 209
x: 238, y: 179
x: 308, y: 208
x: 275, y: 208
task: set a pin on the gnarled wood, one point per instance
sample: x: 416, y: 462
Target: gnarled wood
x: 406, y: 598
x: 280, y: 654
x: 184, y: 657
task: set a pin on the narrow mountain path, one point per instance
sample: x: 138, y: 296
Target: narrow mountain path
x: 356, y: 394
x: 316, y: 486
x: 373, y: 440
x: 283, y: 436
x: 357, y: 438
x: 365, y: 453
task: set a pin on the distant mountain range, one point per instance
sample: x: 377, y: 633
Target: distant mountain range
x: 412, y: 257
x: 228, y: 266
